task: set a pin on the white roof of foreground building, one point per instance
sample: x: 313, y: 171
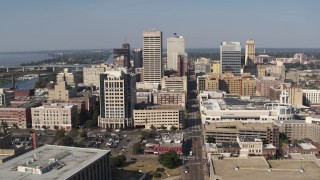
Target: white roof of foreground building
x: 50, y: 162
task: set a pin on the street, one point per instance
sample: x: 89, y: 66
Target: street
x: 193, y: 136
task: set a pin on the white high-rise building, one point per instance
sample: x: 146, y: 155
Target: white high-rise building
x: 250, y: 55
x: 230, y: 57
x: 175, y: 46
x: 117, y: 98
x: 152, y: 56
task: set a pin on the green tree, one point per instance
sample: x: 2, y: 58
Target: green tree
x: 59, y: 133
x: 152, y: 127
x: 118, y: 160
x: 84, y: 134
x: 66, y: 141
x: 211, y: 139
x: 169, y: 159
x: 156, y: 174
x: 136, y: 148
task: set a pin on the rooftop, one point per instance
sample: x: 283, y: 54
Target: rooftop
x: 231, y: 126
x: 159, y: 107
x: 71, y: 160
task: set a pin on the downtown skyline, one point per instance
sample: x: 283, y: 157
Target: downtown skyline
x: 37, y: 25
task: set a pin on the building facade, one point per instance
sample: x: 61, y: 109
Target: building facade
x: 152, y: 56
x: 137, y: 58
x: 20, y: 117
x: 121, y: 56
x: 170, y: 98
x: 175, y: 47
x: 53, y: 116
x: 230, y: 57
x: 311, y: 96
x: 68, y: 77
x: 117, y: 99
x: 174, y: 83
x: 250, y: 54
x: 5, y: 97
x: 182, y: 65
x: 159, y: 116
x: 91, y: 75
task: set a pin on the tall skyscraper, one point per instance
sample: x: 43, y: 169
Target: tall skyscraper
x: 175, y: 46
x: 137, y: 58
x: 121, y: 56
x: 117, y: 98
x: 250, y: 52
x: 230, y: 57
x: 152, y: 56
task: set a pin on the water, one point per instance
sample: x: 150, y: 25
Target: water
x: 22, y: 84
x: 18, y: 58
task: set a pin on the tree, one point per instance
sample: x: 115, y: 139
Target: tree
x: 118, y: 161
x: 66, y: 141
x: 163, y: 127
x: 172, y: 128
x: 84, y: 134
x: 73, y: 133
x: 75, y: 121
x: 156, y: 174
x: 136, y: 148
x: 59, y: 133
x: 211, y: 139
x: 152, y: 127
x: 169, y: 159
x: 44, y: 127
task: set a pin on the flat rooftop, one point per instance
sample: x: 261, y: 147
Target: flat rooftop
x: 159, y: 107
x: 74, y: 159
x: 232, y: 126
x: 257, y: 168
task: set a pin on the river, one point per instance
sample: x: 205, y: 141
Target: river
x: 22, y: 84
x: 13, y: 59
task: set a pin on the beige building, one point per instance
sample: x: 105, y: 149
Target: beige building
x: 159, y: 116
x: 311, y: 96
x: 248, y: 85
x: 61, y: 92
x: 53, y: 116
x: 250, y: 55
x: 174, y: 83
x: 170, y: 98
x: 263, y: 85
x: 117, y: 99
x: 68, y: 77
x: 250, y: 145
x: 295, y: 96
x: 212, y: 82
x: 229, y: 131
x: 277, y: 70
x: 152, y: 56
x: 91, y: 75
x: 216, y: 67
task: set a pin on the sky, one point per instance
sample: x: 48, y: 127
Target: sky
x: 103, y: 24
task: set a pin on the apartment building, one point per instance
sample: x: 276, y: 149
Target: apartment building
x: 170, y: 98
x: 174, y: 83
x: 159, y: 116
x: 53, y: 116
x: 91, y: 75
x: 70, y: 78
x: 16, y: 116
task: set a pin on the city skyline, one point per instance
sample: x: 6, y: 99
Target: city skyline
x: 57, y: 25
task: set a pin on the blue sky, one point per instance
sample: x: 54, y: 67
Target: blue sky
x: 82, y: 24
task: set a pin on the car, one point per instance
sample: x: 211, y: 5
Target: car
x: 186, y: 169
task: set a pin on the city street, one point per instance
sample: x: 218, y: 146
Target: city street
x: 193, y: 136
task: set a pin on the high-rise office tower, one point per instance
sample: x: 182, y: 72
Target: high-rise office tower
x: 121, y: 56
x: 230, y: 57
x: 117, y: 98
x: 137, y: 58
x: 175, y: 46
x: 250, y: 53
x: 152, y: 56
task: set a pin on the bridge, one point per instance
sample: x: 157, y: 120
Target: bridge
x: 44, y: 66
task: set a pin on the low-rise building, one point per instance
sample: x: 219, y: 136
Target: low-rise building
x: 59, y: 162
x: 159, y: 117
x: 228, y: 131
x: 174, y: 83
x: 250, y: 145
x: 169, y: 98
x: 53, y: 116
x: 168, y: 142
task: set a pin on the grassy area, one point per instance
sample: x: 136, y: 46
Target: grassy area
x: 151, y: 166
